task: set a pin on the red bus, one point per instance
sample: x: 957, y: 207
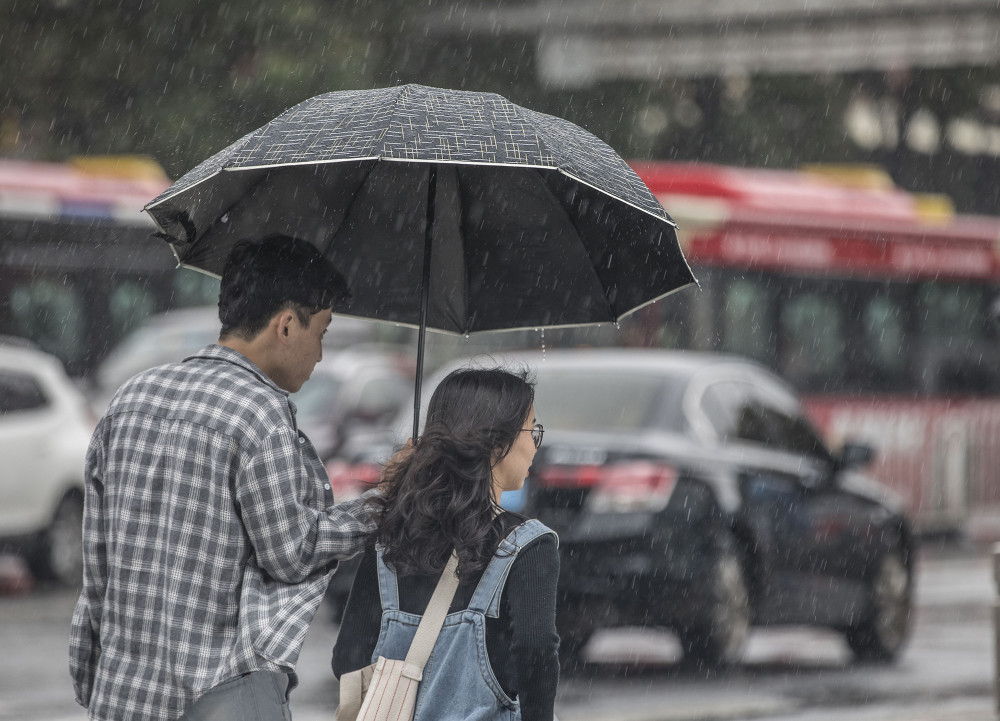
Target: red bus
x: 879, y: 306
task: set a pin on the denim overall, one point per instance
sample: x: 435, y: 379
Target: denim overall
x: 458, y: 683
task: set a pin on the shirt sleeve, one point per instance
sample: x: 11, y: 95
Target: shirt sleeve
x: 85, y: 630
x: 530, y: 597
x: 292, y: 535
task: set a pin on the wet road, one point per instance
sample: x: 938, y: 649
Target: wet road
x: 633, y: 675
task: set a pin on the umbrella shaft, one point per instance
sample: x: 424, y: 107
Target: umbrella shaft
x: 425, y: 292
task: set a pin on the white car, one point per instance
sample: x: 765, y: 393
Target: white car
x: 171, y: 336
x: 45, y: 426
x: 353, y: 391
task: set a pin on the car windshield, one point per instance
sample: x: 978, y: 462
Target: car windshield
x: 316, y: 397
x: 599, y: 400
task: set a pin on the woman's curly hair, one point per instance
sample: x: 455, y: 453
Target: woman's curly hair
x: 439, y: 497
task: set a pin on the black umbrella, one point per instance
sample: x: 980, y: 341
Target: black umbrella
x: 496, y: 217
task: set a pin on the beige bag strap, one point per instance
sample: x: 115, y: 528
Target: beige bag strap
x: 433, y: 618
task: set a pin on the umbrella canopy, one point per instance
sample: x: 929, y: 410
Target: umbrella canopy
x: 444, y: 209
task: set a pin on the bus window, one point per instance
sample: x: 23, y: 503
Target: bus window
x: 48, y: 312
x: 878, y: 343
x: 130, y: 303
x: 746, y: 319
x: 192, y: 288
x: 812, y: 340
x: 882, y: 322
x: 957, y: 352
x: 952, y: 311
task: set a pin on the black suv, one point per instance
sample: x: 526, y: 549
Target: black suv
x: 689, y: 491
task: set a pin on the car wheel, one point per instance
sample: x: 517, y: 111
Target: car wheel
x: 881, y: 635
x: 58, y: 556
x: 719, y: 636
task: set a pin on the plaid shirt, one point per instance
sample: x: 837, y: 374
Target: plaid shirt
x: 209, y: 537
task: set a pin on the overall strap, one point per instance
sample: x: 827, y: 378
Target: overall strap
x: 486, y: 598
x: 388, y: 589
x: 433, y: 618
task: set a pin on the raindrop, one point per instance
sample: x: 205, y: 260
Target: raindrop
x: 542, y: 331
x: 618, y: 326
x: 466, y: 335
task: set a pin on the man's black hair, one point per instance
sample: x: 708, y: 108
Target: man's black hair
x: 277, y: 272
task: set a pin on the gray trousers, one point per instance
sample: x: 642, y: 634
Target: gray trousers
x: 258, y: 696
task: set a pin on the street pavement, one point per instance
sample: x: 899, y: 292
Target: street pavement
x: 633, y: 675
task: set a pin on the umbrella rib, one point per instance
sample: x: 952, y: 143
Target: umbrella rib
x: 249, y: 194
x: 529, y: 119
x: 466, y: 299
x: 663, y: 219
x: 411, y: 124
x: 391, y: 115
x: 590, y: 263
x: 173, y: 191
x: 348, y: 208
x: 371, y: 167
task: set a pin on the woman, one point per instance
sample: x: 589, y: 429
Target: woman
x: 479, y: 440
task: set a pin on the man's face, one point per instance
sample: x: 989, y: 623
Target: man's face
x: 305, y: 350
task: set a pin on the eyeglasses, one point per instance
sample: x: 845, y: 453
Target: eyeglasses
x: 536, y: 431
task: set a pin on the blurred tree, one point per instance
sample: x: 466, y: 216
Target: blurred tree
x: 174, y: 79
x: 181, y: 79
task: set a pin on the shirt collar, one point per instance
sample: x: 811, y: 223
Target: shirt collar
x: 224, y: 353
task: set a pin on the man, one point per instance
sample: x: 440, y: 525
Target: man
x: 210, y: 532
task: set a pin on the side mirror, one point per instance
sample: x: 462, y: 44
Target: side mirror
x: 855, y: 455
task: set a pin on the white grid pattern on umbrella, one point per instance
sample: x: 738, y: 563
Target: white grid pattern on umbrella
x: 421, y: 124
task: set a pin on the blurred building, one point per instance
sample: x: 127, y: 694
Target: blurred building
x: 581, y: 42
x: 910, y: 85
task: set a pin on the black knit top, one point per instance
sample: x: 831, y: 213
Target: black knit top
x: 522, y: 643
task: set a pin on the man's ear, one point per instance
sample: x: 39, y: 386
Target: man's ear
x: 283, y: 323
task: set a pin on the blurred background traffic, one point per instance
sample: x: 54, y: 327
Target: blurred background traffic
x: 763, y: 450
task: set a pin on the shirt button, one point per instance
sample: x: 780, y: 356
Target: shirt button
x: 326, y: 486
x: 302, y: 439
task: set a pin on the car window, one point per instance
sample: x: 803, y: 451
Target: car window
x: 798, y: 436
x: 737, y: 411
x: 759, y: 413
x: 773, y: 420
x: 19, y: 392
x: 317, y: 396
x: 595, y: 400
x: 383, y: 395
x: 721, y: 403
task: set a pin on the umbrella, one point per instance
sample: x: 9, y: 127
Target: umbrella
x: 450, y: 210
